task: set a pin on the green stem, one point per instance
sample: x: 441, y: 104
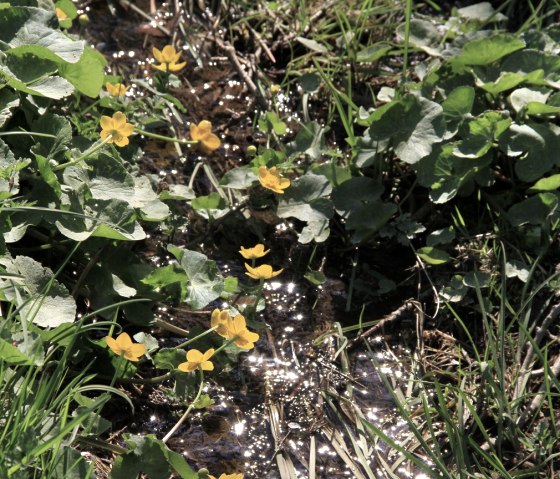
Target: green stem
x: 408, y: 14
x: 101, y: 445
x: 29, y: 133
x: 86, y: 154
x: 165, y: 138
x: 189, y: 409
x: 192, y: 340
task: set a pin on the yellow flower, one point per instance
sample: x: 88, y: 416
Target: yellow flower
x: 220, y: 319
x: 264, y: 271
x: 168, y: 59
x: 60, y: 14
x: 203, y: 134
x: 254, y: 252
x: 117, y: 127
x: 228, y: 476
x: 242, y: 337
x: 123, y: 346
x: 116, y: 89
x: 270, y: 178
x: 197, y: 360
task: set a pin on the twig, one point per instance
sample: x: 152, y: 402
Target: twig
x: 142, y: 13
x: 539, y: 398
x: 232, y: 56
x: 524, y: 372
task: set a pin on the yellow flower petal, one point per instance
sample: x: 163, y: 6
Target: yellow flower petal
x: 255, y: 252
x: 106, y: 122
x: 175, y: 67
x: 158, y: 55
x: 120, y: 140
x: 207, y: 366
x: 119, y: 120
x: 187, y: 367
x: 168, y: 54
x: 162, y: 67
x: 194, y: 356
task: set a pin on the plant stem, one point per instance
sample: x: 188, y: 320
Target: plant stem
x: 86, y: 153
x: 29, y: 133
x: 165, y: 138
x: 189, y: 409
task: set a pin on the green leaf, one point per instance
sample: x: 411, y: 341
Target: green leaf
x: 10, y: 354
x: 488, y: 50
x: 9, y: 171
x: 539, y: 67
x: 336, y: 174
x: 205, y: 282
x: 506, y: 81
x: 152, y: 457
x: 517, y: 269
x: 55, y: 125
x: 456, y: 107
x: 373, y: 52
x: 423, y: 34
x: 443, y: 236
x: 180, y: 192
x: 87, y: 75
x: 53, y: 87
x: 309, y: 141
x: 537, y: 108
x: 68, y: 8
x: 210, y: 206
x: 477, y: 279
x: 522, y: 96
x: 48, y: 174
x: 102, y: 218
x: 412, y: 124
x: 305, y: 200
x: 546, y: 184
x: 482, y: 12
x: 169, y: 358
x: 482, y: 134
x: 316, y: 278
x: 239, y: 178
x: 310, y: 82
x: 41, y: 299
x: 278, y: 126
x: 534, y: 210
x: 28, y: 67
x: 536, y: 145
x: 33, y: 30
x: 204, y: 401
x: 312, y: 45
x: 356, y: 193
x: 69, y: 464
x: 433, y: 255
x: 8, y: 100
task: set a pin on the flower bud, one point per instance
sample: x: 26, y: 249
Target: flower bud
x: 251, y: 150
x: 83, y: 19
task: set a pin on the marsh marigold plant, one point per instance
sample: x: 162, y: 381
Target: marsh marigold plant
x: 197, y: 360
x: 168, y: 58
x: 202, y: 133
x: 117, y: 127
x: 264, y: 271
x: 271, y: 179
x: 123, y: 346
x: 233, y: 328
x: 228, y: 476
x: 255, y: 252
x: 116, y: 89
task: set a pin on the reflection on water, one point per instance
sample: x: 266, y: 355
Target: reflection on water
x: 292, y: 406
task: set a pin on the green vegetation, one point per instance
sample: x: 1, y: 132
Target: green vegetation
x: 411, y: 152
